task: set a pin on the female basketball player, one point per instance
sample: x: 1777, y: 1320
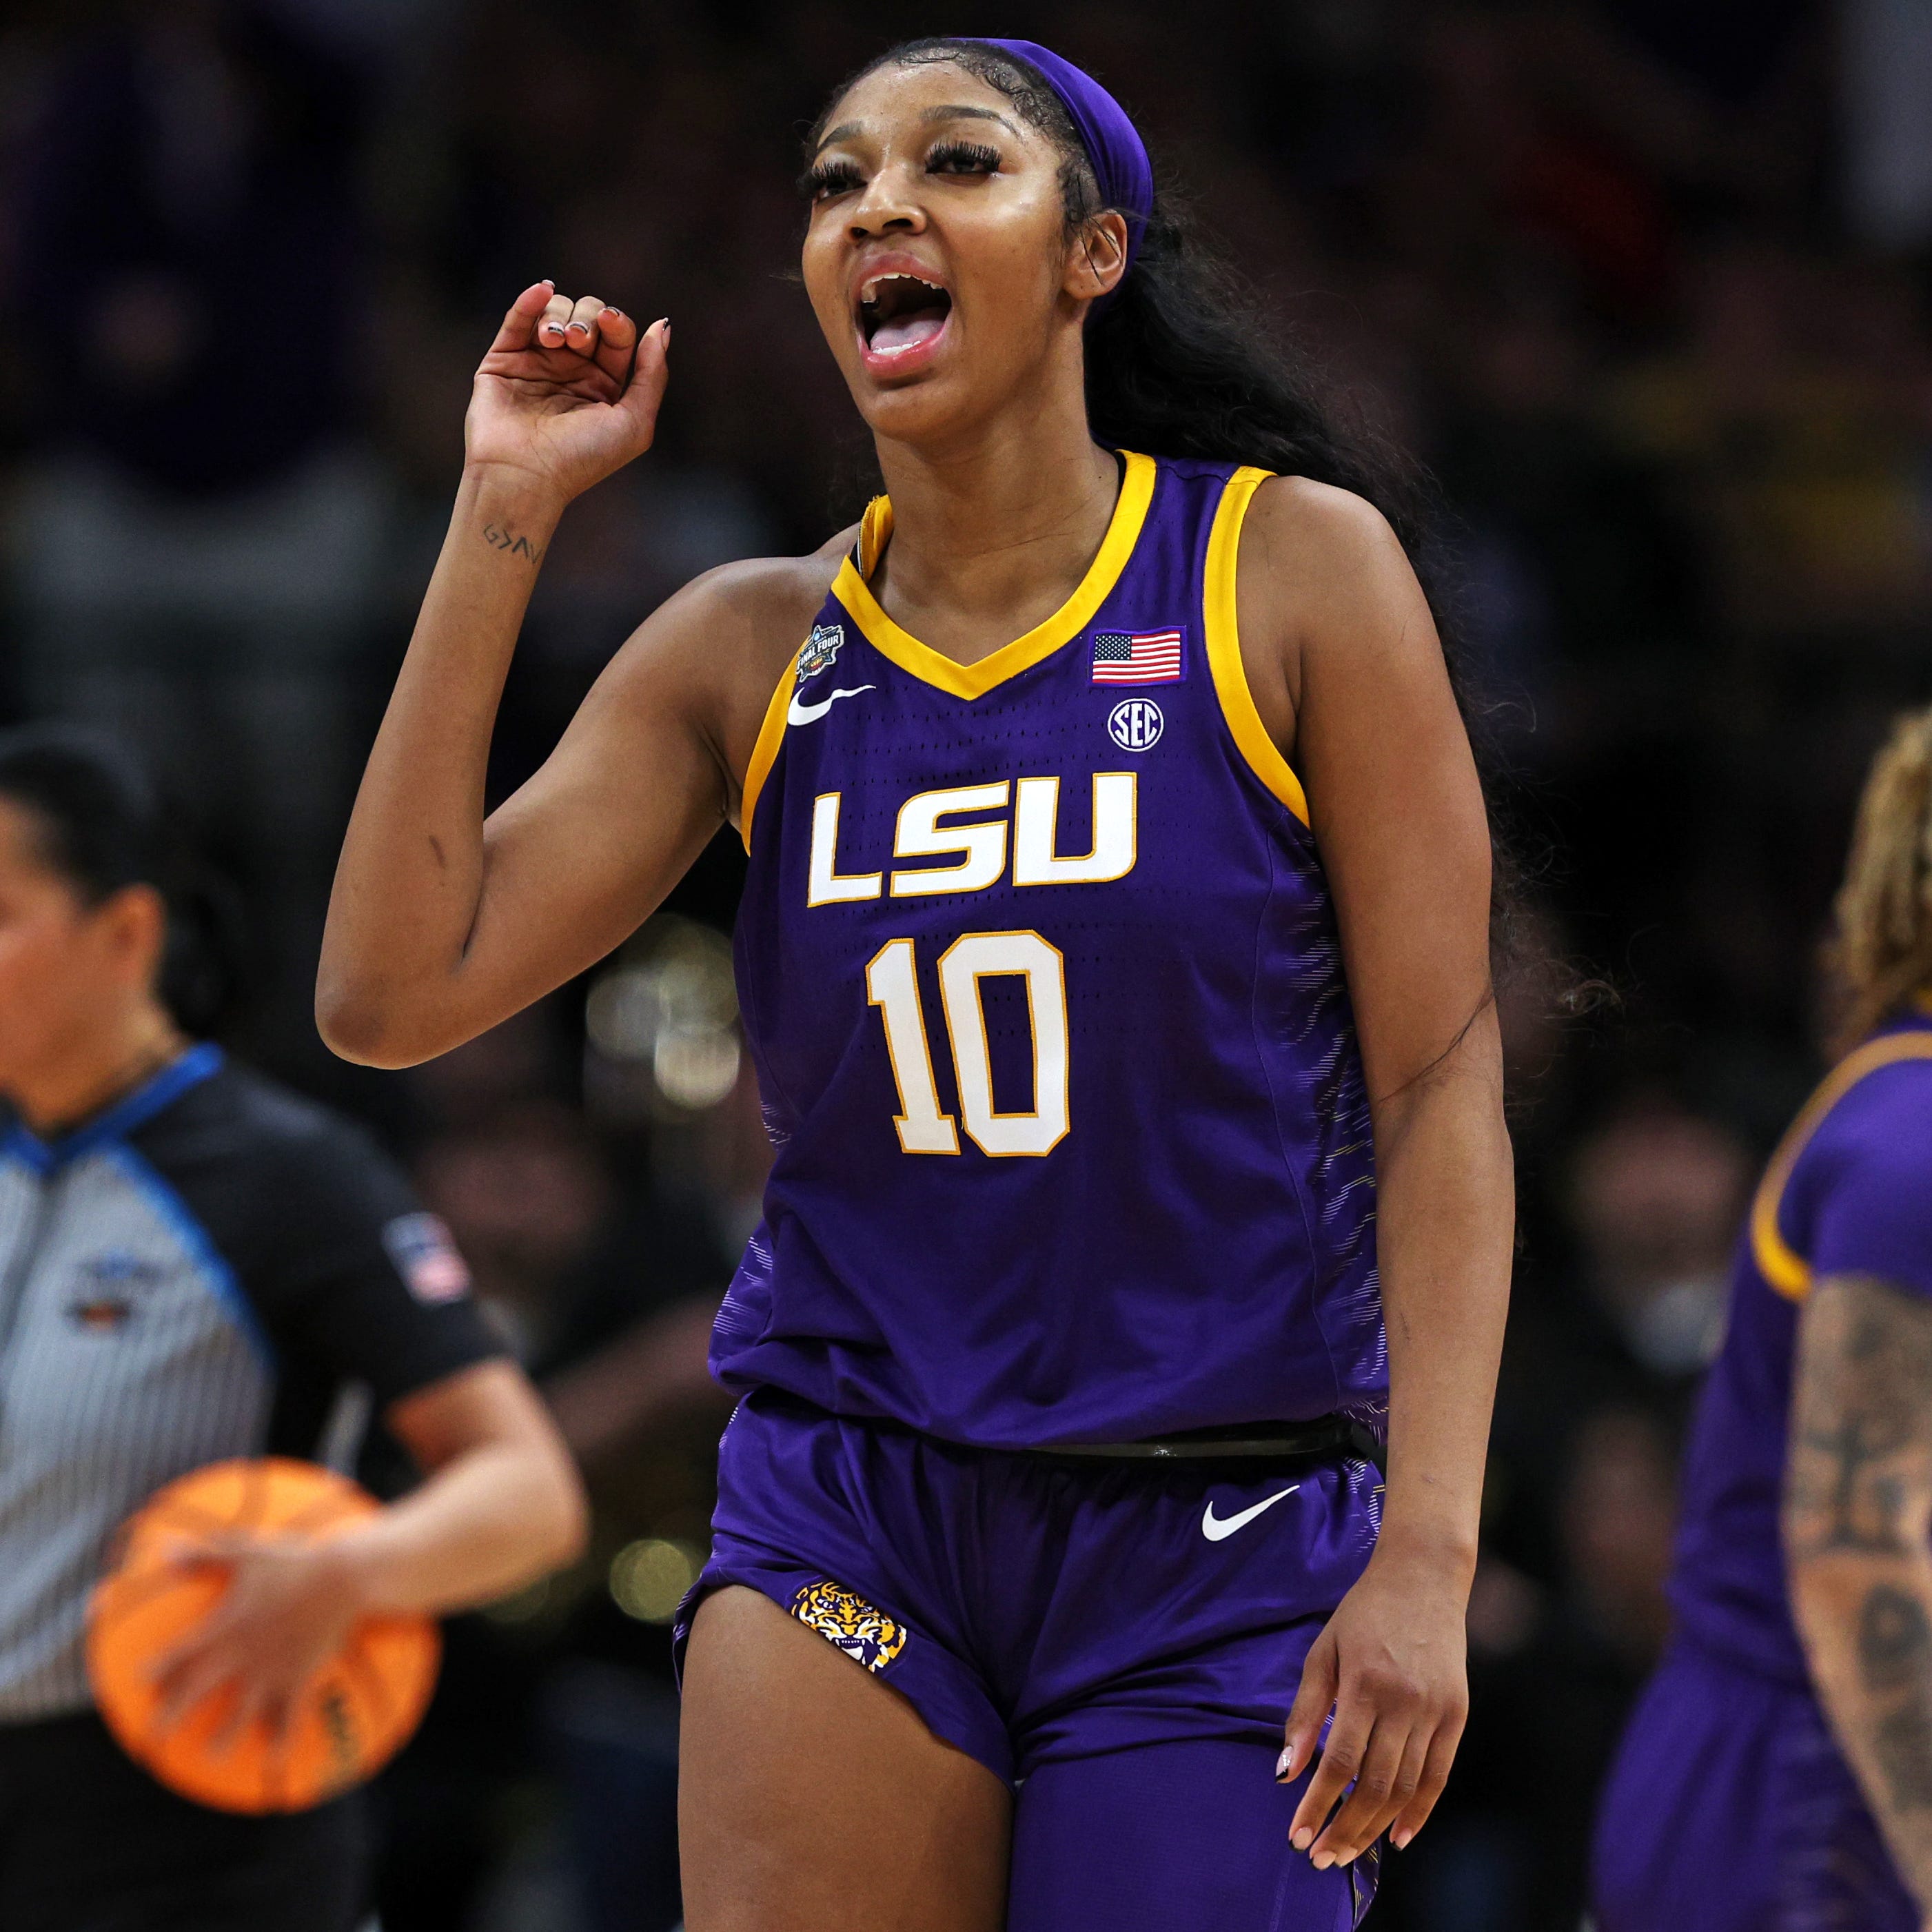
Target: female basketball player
x: 1114, y: 957
x: 195, y: 1265
x: 1778, y: 1774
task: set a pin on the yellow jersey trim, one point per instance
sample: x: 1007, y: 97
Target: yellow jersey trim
x: 1786, y: 1271
x: 765, y: 747
x: 874, y: 527
x: 975, y: 680
x: 1224, y: 644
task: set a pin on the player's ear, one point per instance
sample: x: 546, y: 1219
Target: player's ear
x: 1098, y: 258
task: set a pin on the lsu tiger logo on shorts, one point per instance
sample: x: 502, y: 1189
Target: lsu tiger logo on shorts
x: 865, y: 1635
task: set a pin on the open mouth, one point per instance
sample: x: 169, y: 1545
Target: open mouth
x: 897, y: 313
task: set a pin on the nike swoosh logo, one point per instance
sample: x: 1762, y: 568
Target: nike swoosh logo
x: 1214, y: 1528
x: 799, y: 713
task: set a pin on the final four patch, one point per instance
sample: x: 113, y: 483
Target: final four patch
x: 821, y: 648
x: 865, y: 1635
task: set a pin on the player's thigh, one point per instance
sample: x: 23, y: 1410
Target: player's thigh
x: 1185, y: 1837
x: 812, y: 1799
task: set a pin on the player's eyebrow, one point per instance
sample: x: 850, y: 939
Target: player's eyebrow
x: 846, y: 129
x: 933, y: 114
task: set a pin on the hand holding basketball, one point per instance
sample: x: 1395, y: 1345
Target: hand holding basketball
x: 231, y: 1651
x: 568, y: 394
x: 288, y: 1606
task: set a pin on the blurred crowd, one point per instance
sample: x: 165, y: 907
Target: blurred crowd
x: 1642, y: 282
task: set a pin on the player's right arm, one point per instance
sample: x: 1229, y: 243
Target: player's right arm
x: 442, y: 924
x: 1858, y: 1539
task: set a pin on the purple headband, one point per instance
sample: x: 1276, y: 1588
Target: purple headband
x: 1112, y: 142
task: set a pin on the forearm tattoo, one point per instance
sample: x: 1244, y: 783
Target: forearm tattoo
x: 1895, y: 1638
x: 1858, y: 1509
x: 511, y: 544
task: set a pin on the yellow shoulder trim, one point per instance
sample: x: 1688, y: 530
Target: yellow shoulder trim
x: 1786, y: 1271
x: 1224, y: 645
x: 765, y: 749
x: 975, y: 680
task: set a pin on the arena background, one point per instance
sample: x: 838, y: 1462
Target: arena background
x: 1643, y: 282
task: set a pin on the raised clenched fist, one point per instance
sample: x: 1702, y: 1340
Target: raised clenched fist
x: 567, y: 394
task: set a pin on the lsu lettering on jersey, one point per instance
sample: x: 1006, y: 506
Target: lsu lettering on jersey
x: 1038, y: 967
x: 1848, y: 1192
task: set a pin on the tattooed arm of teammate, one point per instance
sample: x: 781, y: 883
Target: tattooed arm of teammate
x: 1858, y: 1541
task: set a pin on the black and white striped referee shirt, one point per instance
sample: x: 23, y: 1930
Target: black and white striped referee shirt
x: 212, y: 1267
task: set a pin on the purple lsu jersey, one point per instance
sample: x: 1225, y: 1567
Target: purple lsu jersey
x: 1040, y: 971
x: 1848, y: 1192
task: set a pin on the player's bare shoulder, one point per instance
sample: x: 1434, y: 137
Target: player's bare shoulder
x: 1306, y: 546
x: 1321, y: 571
x: 718, y: 646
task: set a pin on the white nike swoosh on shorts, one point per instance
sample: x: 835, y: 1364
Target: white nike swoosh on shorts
x: 1214, y: 1528
x: 799, y: 713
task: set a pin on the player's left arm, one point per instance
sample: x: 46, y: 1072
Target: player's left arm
x: 1857, y: 1518
x: 1347, y: 672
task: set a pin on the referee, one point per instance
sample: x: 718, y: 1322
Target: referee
x: 195, y: 1264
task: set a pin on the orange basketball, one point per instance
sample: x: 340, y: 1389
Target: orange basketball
x: 356, y: 1711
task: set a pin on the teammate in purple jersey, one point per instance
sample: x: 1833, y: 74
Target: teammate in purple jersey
x: 1777, y: 1774
x: 1114, y: 958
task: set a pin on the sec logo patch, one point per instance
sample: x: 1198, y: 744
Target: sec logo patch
x: 1135, y: 723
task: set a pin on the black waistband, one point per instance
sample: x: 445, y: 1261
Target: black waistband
x: 1326, y: 1436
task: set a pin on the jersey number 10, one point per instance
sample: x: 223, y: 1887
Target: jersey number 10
x: 892, y: 984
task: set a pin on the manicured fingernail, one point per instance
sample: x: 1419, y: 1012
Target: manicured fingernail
x: 1401, y: 1840
x: 1284, y: 1766
x: 579, y: 328
x: 1322, y: 1861
x: 1302, y: 1839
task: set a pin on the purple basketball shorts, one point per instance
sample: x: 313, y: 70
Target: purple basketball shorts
x: 1119, y: 1641
x: 1728, y: 1809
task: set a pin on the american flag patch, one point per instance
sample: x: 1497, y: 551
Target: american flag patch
x: 1137, y: 657
x: 426, y: 1258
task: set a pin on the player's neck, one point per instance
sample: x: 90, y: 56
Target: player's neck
x: 992, y: 533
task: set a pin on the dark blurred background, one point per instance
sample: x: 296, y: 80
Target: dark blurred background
x: 1644, y: 284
